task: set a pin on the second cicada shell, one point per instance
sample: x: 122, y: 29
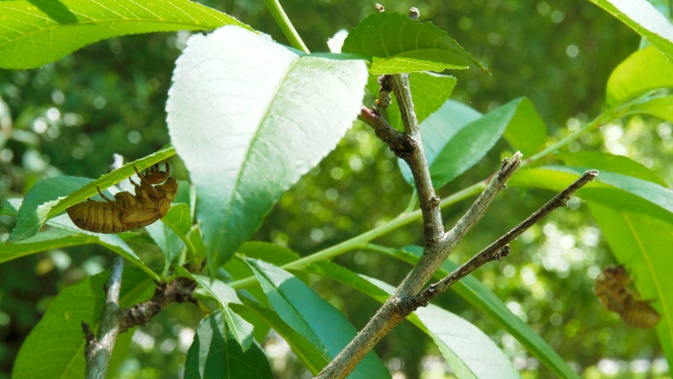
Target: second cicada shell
x: 127, y: 211
x: 613, y: 292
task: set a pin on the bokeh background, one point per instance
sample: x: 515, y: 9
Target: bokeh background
x: 71, y: 116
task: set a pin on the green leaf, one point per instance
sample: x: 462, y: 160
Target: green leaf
x: 462, y: 344
x: 52, y: 196
x: 616, y: 191
x: 487, y: 303
x: 429, y: 92
x: 644, y: 19
x: 265, y: 117
x: 50, y: 239
x: 645, y: 70
x: 618, y: 164
x: 111, y: 242
x: 55, y: 347
x: 643, y: 245
x: 216, y: 354
x: 225, y: 295
x: 661, y: 107
x: 313, y: 358
x: 171, y: 233
x: 36, y: 32
x: 398, y: 44
x: 314, y: 318
x: 456, y: 146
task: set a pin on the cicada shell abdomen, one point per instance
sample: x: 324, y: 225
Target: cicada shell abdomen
x: 613, y: 292
x: 128, y: 211
x: 640, y: 314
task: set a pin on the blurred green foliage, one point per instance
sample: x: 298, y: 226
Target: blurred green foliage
x: 70, y: 116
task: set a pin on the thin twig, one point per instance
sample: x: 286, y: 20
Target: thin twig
x: 500, y: 248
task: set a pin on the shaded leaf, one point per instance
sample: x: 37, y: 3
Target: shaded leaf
x: 469, y: 352
x: 57, y: 342
x: 314, y: 318
x: 618, y: 164
x: 51, y: 239
x: 216, y: 354
x: 457, y: 146
x: 266, y: 116
x: 488, y: 303
x: 644, y: 19
x: 429, y: 92
x: 398, y: 44
x: 36, y: 32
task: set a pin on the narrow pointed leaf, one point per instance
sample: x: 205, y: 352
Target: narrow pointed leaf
x: 264, y: 116
x: 469, y: 352
x: 488, y: 303
x: 36, y: 32
x: 398, y: 44
x: 617, y: 191
x: 455, y: 146
x: 216, y: 354
x: 55, y: 347
x: 314, y: 318
x: 644, y: 19
x: 51, y: 239
x: 643, y: 245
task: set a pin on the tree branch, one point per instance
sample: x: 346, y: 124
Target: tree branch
x: 395, y: 309
x: 98, y: 350
x: 500, y: 247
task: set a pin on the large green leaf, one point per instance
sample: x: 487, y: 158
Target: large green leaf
x: 398, y: 44
x: 216, y: 354
x: 55, y: 347
x: 171, y: 234
x: 314, y: 318
x: 462, y: 344
x: 645, y: 70
x: 643, y: 245
x: 455, y: 138
x: 264, y: 116
x: 489, y: 304
x: 36, y: 32
x: 52, y: 196
x: 51, y: 239
x: 642, y: 17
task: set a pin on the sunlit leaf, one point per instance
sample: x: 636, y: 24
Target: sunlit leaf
x: 643, y: 18
x: 36, y: 32
x: 398, y: 44
x: 264, y: 116
x: 661, y: 107
x: 645, y: 70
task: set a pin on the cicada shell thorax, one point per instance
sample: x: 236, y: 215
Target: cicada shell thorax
x: 613, y: 292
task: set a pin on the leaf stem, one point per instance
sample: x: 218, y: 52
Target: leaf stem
x: 286, y: 25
